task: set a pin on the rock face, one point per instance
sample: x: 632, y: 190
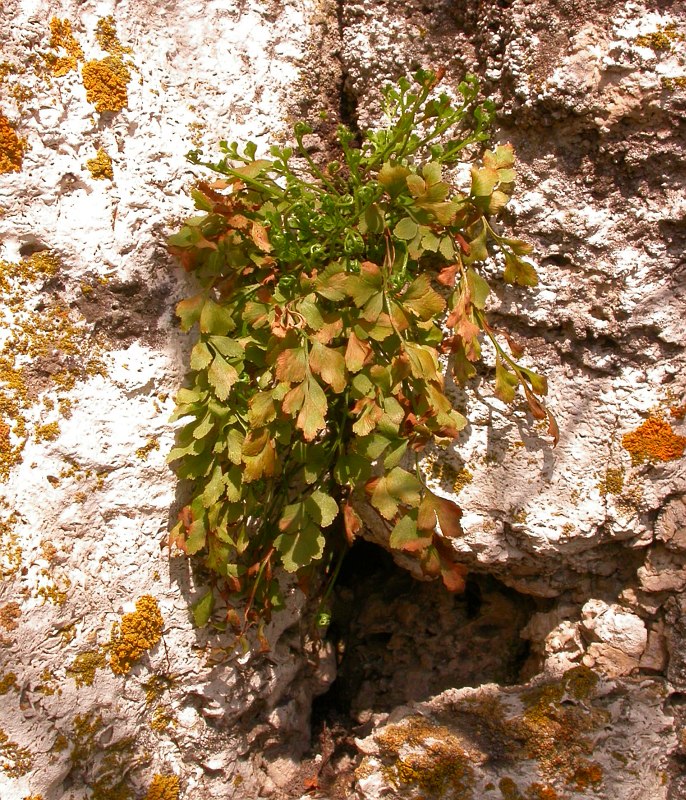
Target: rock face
x: 108, y: 689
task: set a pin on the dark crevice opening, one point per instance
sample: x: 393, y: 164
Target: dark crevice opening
x: 399, y: 640
x: 347, y: 100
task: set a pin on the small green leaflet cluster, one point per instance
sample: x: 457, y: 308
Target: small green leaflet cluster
x: 328, y: 296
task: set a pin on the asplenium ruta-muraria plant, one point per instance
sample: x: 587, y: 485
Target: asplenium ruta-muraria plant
x: 330, y: 302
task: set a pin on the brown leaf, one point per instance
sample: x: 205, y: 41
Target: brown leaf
x: 448, y: 275
x: 260, y: 237
x: 352, y: 523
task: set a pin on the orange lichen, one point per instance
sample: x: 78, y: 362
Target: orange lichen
x: 11, y: 147
x: 163, y: 787
x: 9, y: 614
x: 136, y: 633
x: 8, y: 681
x: 100, y: 168
x: 678, y: 412
x: 105, y: 81
x: 61, y: 37
x: 14, y: 760
x: 654, y: 440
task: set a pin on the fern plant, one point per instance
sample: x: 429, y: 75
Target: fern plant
x: 331, y: 300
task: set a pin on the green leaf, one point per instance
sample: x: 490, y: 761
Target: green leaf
x: 374, y: 219
x: 234, y: 446
x: 406, y: 229
x: 200, y: 356
x: 214, y: 488
x: 197, y: 536
x: 483, y: 181
x: 229, y: 348
x: 478, y: 289
x: 392, y: 178
x: 351, y: 470
x: 261, y: 409
x: 446, y: 248
x: 398, y: 486
x: 538, y: 383
x: 405, y: 535
x: 215, y: 319
x: 519, y: 271
x: 222, y: 377
x: 432, y: 172
x: 321, y: 508
x: 421, y: 300
x: 477, y: 247
x: 416, y: 185
x: 505, y: 383
x: 301, y: 548
x: 423, y: 360
x: 395, y: 456
x: 188, y: 311
x: 202, y: 609
x: 312, y: 416
x: 204, y: 426
x: 404, y: 486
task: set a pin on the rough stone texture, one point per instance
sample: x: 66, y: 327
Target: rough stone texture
x: 592, y: 96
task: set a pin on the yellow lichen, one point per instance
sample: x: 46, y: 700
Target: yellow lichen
x: 106, y: 81
x: 156, y: 686
x: 16, y: 761
x: 106, y: 34
x: 612, y: 483
x: 161, y: 719
x: 48, y: 432
x: 48, y: 686
x: 55, y: 335
x: 52, y: 592
x: 671, y: 83
x: 105, y: 772
x: 661, y: 39
x: 652, y: 441
x: 144, y: 451
x: 163, y: 787
x: 426, y: 755
x: 9, y: 614
x: 10, y: 549
x: 84, y: 667
x: 137, y: 632
x: 11, y: 147
x: 8, y: 681
x: 100, y: 168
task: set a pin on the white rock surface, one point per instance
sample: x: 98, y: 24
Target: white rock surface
x: 596, y: 117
